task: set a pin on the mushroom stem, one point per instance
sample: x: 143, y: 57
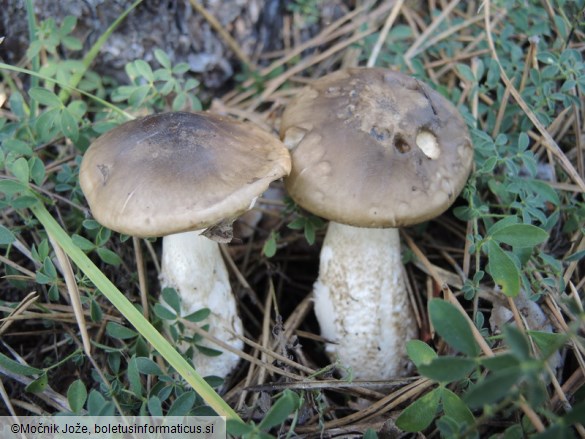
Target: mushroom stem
x: 361, y: 301
x: 193, y: 266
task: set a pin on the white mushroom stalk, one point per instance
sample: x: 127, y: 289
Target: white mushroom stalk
x: 193, y: 266
x: 372, y: 150
x: 360, y: 301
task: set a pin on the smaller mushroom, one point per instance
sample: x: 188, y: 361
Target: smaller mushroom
x: 185, y: 176
x: 372, y: 150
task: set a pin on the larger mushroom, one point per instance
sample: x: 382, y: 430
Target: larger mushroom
x: 372, y: 150
x: 177, y: 175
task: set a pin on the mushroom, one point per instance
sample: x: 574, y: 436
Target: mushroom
x: 182, y: 176
x: 372, y: 150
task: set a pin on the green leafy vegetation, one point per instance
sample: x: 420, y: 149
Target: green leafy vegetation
x: 493, y: 383
x: 308, y: 10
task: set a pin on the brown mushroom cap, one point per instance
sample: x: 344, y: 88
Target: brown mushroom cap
x: 375, y: 148
x: 175, y: 172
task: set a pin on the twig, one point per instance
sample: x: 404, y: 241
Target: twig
x: 273, y: 85
x: 22, y: 307
x: 73, y: 291
x: 242, y: 354
x: 550, y: 143
x: 142, y: 284
x: 232, y: 43
x: 48, y: 395
x: 414, y: 48
x: 331, y: 384
x: 385, y: 404
x: 329, y: 33
x: 265, y: 334
x: 384, y: 33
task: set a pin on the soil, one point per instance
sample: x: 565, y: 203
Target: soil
x: 172, y: 25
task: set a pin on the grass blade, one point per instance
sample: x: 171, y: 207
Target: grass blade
x: 128, y: 310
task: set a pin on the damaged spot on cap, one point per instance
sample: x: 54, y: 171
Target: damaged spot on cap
x: 428, y: 144
x: 293, y: 137
x: 332, y: 92
x: 380, y: 133
x: 105, y: 172
x: 401, y: 144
